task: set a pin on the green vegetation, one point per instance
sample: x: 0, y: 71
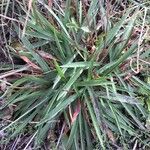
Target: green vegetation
x: 85, y: 79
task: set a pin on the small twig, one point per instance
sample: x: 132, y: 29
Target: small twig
x: 60, y: 135
x: 12, y: 72
x: 146, y: 62
x: 26, y: 20
x: 5, y: 82
x: 135, y: 145
x: 12, y: 19
x: 16, y: 142
x: 139, y: 43
x: 30, y: 140
x: 4, y: 94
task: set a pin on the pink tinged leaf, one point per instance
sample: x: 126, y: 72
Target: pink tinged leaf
x: 50, y: 3
x: 45, y: 55
x: 30, y: 63
x: 76, y: 113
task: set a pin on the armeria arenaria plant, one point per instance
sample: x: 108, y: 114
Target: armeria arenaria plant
x: 85, y: 80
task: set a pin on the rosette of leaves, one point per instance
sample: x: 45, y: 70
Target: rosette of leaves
x: 80, y: 84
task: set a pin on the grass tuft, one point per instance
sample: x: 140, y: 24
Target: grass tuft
x: 84, y: 81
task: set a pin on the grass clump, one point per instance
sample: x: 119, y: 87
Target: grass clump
x: 85, y: 82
